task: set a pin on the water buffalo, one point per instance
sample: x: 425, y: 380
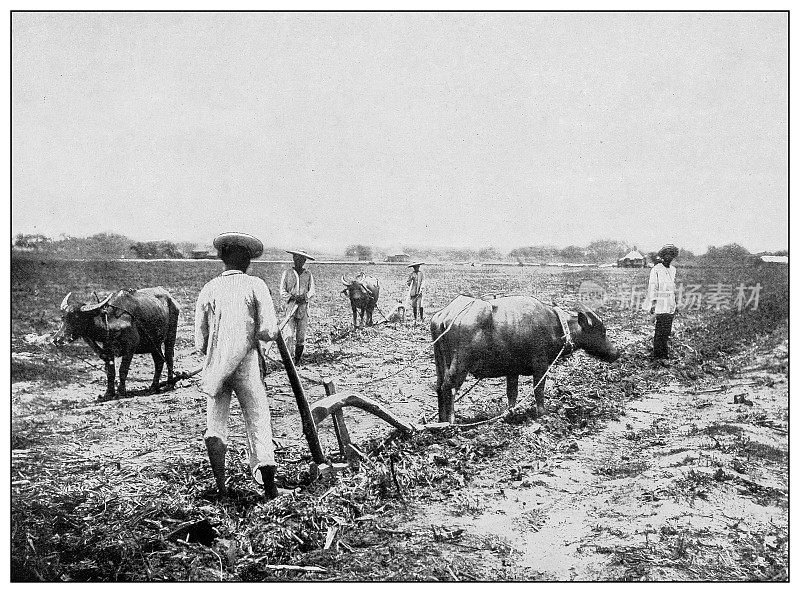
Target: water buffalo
x: 363, y: 292
x: 508, y: 337
x: 125, y: 323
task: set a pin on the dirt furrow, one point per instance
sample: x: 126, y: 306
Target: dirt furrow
x: 657, y: 494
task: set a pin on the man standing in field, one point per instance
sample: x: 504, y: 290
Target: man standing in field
x: 661, y: 299
x: 234, y: 316
x: 415, y: 282
x: 297, y: 288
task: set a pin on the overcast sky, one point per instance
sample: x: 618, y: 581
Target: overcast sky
x: 322, y: 130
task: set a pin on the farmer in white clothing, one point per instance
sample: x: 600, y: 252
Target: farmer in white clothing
x: 234, y: 317
x: 661, y: 299
x: 297, y: 288
x: 415, y: 282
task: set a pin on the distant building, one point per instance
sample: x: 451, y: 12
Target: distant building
x: 775, y: 259
x: 398, y: 257
x: 633, y: 260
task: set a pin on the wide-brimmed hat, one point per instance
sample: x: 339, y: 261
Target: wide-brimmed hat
x: 668, y: 248
x: 301, y: 254
x: 252, y: 244
x: 415, y: 264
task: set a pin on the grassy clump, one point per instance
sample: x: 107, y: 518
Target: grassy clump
x: 691, y: 554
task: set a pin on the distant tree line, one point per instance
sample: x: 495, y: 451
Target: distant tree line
x: 115, y: 246
x: 156, y: 250
x: 99, y: 246
x: 732, y: 251
x: 360, y: 252
x: 598, y: 251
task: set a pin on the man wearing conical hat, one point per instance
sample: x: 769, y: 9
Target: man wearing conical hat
x: 297, y: 288
x: 234, y: 317
x: 661, y: 300
x: 415, y: 282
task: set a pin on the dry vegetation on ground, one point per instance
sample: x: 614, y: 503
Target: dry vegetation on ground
x: 635, y: 472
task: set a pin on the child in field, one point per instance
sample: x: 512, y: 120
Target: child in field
x: 397, y: 313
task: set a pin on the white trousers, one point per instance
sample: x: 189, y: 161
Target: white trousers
x: 246, y: 383
x: 294, y: 333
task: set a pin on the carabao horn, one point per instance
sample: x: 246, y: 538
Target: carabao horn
x: 65, y: 302
x: 344, y: 281
x: 96, y: 306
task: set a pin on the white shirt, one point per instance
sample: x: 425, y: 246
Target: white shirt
x: 661, y: 289
x: 294, y: 285
x: 414, y: 281
x: 234, y: 315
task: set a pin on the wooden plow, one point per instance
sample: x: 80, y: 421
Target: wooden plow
x: 179, y: 376
x: 333, y: 405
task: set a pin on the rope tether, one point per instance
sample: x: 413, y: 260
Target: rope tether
x: 421, y: 350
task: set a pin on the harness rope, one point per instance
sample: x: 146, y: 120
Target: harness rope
x: 266, y: 352
x: 81, y: 358
x: 510, y: 411
x: 394, y: 374
x: 421, y: 350
x: 381, y: 312
x: 280, y: 328
x: 108, y: 337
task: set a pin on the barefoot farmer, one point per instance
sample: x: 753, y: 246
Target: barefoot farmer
x: 415, y: 282
x: 297, y: 287
x: 661, y: 299
x: 234, y: 316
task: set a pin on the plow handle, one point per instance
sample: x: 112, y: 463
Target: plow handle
x: 309, y: 428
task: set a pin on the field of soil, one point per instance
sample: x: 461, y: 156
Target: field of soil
x: 636, y: 471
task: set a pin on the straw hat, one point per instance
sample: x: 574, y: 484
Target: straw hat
x: 668, y: 248
x: 253, y: 245
x: 301, y: 254
x: 415, y: 264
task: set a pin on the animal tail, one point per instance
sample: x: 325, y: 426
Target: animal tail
x: 173, y: 304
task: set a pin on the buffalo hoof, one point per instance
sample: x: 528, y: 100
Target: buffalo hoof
x: 106, y: 397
